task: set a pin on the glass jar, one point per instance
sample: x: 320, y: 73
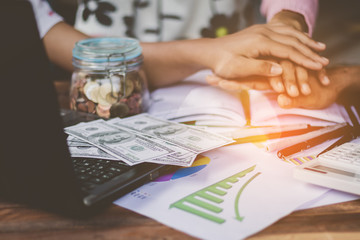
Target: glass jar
x: 108, y: 78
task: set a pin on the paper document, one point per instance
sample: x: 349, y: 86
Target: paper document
x: 229, y: 193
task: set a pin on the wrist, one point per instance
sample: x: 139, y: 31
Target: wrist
x: 344, y: 77
x: 290, y: 18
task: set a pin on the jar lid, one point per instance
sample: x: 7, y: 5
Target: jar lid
x: 109, y: 49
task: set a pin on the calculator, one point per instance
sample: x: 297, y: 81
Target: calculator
x: 338, y: 169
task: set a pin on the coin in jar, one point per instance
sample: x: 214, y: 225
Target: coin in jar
x: 91, y: 90
x: 119, y: 110
x: 103, y: 111
x: 109, y: 93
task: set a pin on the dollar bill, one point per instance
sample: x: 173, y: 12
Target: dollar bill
x: 181, y: 156
x: 175, y: 159
x: 120, y: 142
x: 194, y: 139
x: 79, y: 148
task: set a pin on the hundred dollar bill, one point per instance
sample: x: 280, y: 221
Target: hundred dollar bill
x: 122, y: 143
x: 194, y: 139
x: 181, y: 156
x: 175, y: 159
x: 79, y: 148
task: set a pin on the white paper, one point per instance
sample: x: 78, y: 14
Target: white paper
x: 265, y: 194
x: 271, y: 195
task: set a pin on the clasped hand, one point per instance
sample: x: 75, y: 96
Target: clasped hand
x: 269, y: 56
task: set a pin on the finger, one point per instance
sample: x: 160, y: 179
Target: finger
x: 244, y: 85
x: 254, y: 67
x: 323, y: 78
x: 302, y: 80
x: 236, y: 85
x: 304, y: 38
x: 286, y: 102
x: 276, y: 84
x: 287, y: 52
x: 309, y: 102
x: 289, y: 78
x: 300, y: 46
x: 212, y: 80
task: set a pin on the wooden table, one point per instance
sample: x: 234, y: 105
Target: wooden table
x: 338, y: 221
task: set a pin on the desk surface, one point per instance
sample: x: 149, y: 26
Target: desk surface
x: 337, y: 221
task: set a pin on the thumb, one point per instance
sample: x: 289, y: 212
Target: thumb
x: 259, y: 67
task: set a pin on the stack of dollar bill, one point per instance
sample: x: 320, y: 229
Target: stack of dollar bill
x: 141, y: 138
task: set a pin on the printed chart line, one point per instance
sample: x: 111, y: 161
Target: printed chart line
x: 193, y: 204
x: 237, y: 214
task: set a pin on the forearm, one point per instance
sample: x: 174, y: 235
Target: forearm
x: 344, y: 77
x: 59, y: 42
x: 166, y: 63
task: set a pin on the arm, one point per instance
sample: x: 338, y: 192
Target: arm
x: 301, y: 16
x: 59, y: 42
x: 58, y: 37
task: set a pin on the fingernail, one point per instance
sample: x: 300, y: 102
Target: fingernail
x: 320, y: 44
x: 305, y: 89
x: 293, y: 91
x: 318, y: 65
x: 276, y: 70
x: 325, y: 80
x: 326, y: 60
x: 279, y: 87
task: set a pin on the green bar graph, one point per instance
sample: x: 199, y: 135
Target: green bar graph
x: 213, y: 194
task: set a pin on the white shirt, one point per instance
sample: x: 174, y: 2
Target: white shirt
x: 45, y: 17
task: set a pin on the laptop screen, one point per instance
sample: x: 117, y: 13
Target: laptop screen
x: 35, y: 166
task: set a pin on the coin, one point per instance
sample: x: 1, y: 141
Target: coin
x: 94, y: 94
x: 91, y: 89
x: 103, y: 111
x: 119, y: 110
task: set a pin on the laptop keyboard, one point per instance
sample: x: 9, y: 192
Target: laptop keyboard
x: 94, y: 172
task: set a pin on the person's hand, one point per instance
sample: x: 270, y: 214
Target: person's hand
x: 255, y: 83
x: 238, y: 55
x: 322, y: 96
x: 341, y: 77
x: 294, y: 79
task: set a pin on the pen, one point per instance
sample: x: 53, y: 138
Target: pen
x: 245, y: 101
x: 346, y: 138
x: 351, y: 110
x: 323, y: 135
x: 265, y: 133
x: 275, y: 146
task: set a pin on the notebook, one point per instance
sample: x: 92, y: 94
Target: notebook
x: 35, y: 164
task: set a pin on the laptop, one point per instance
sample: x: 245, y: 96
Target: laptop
x: 35, y: 164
